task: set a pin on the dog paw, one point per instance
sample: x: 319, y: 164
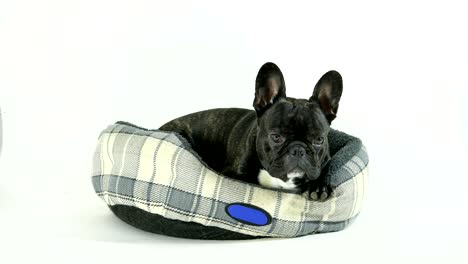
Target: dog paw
x: 318, y: 190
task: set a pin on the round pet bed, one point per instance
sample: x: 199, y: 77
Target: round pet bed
x: 154, y: 181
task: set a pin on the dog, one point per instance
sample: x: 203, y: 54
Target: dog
x: 282, y: 144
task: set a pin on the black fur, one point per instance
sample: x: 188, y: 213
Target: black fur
x: 282, y: 135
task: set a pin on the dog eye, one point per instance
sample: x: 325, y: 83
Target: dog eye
x: 318, y: 141
x: 277, y: 138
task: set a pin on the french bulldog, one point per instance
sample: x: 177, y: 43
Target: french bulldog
x: 283, y: 144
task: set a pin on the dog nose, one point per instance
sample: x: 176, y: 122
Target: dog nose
x: 297, y: 151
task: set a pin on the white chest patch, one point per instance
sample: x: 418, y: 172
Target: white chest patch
x: 266, y: 180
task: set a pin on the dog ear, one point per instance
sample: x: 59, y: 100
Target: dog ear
x: 327, y: 93
x: 269, y: 87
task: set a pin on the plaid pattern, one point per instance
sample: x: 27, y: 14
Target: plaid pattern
x: 158, y: 172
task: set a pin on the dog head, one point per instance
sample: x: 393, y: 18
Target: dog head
x: 292, y: 134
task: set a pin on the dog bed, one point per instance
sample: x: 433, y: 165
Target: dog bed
x: 154, y: 181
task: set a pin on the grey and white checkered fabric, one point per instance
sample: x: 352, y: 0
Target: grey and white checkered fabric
x: 158, y: 172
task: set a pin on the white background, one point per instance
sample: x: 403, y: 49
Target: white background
x: 70, y: 68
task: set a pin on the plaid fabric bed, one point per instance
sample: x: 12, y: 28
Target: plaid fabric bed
x: 158, y: 172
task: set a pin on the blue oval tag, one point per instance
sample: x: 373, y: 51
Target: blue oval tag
x: 248, y: 214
